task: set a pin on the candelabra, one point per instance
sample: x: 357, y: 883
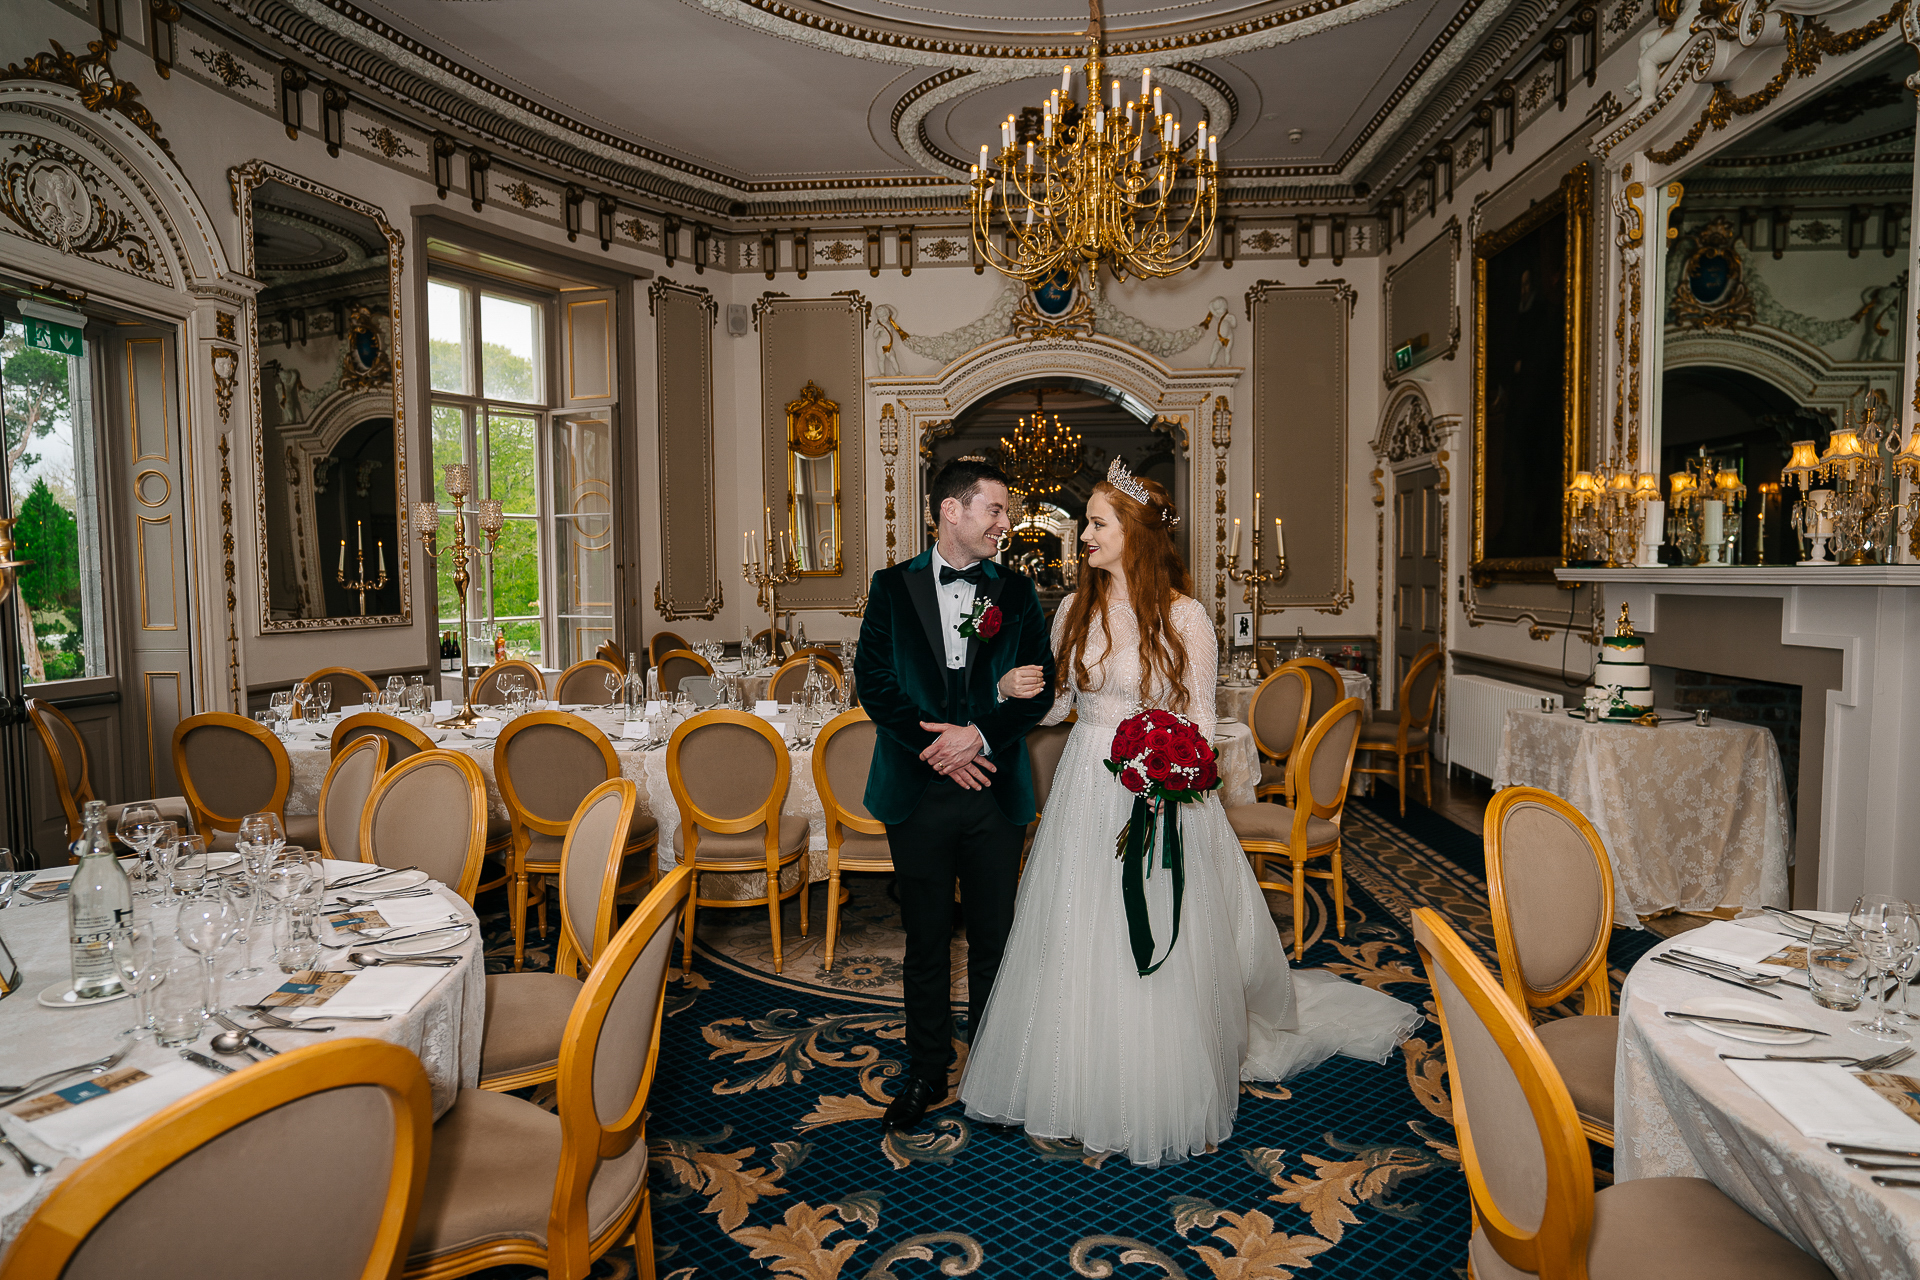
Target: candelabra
x: 1861, y: 518
x: 1607, y: 509
x: 1906, y: 465
x: 426, y: 524
x: 360, y: 582
x: 1769, y: 494
x: 1254, y: 577
x: 1700, y: 499
x: 766, y: 575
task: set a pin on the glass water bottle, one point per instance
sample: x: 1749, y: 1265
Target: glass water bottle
x: 99, y: 905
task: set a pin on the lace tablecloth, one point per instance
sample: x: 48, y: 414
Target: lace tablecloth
x: 1234, y: 701
x: 444, y: 1029
x: 1692, y: 818
x: 1239, y: 771
x: 1679, y: 1112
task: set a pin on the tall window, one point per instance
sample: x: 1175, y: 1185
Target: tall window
x: 51, y: 481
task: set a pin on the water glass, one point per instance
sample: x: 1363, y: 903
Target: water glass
x: 615, y: 682
x: 1837, y: 976
x: 296, y: 938
x: 1884, y: 931
x: 188, y: 870
x: 247, y: 899
x: 178, y: 1012
x: 134, y: 961
x: 206, y: 925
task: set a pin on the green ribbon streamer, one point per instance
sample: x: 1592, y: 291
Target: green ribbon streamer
x: 1136, y: 867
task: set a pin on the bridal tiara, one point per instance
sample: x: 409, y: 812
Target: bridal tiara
x: 1122, y: 479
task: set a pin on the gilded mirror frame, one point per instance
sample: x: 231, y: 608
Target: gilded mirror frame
x: 813, y: 431
x: 244, y: 179
x: 1571, y: 199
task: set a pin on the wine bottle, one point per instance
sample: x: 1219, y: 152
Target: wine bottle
x: 99, y: 905
x: 500, y: 644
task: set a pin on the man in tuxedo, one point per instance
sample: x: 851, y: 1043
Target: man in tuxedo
x: 950, y: 777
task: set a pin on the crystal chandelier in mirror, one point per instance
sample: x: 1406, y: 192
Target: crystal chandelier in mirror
x: 1040, y: 456
x: 1105, y: 182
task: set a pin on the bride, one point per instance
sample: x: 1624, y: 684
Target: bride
x: 1074, y: 1044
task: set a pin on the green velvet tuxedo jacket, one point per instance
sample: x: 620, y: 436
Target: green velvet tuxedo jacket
x: 901, y: 672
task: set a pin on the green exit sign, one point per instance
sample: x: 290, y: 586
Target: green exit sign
x: 63, y: 339
x: 1403, y: 357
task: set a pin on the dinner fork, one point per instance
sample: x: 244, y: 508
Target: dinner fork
x: 275, y: 1022
x: 453, y: 922
x: 1879, y: 1062
x: 33, y: 1168
x: 96, y: 1067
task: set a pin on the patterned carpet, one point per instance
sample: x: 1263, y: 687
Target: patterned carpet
x: 769, y: 1159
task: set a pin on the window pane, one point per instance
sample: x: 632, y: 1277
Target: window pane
x: 510, y: 462
x: 50, y: 473
x: 449, y: 445
x: 516, y: 582
x: 510, y: 351
x: 582, y: 462
x: 448, y: 338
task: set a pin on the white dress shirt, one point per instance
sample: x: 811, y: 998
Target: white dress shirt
x: 956, y: 602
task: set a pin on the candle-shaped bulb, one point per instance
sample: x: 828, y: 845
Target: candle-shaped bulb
x: 1066, y: 79
x: 1213, y: 149
x: 1279, y: 540
x: 1146, y: 81
x: 1099, y: 122
x: 1236, y: 537
x: 983, y: 155
x: 1029, y: 153
x: 359, y: 536
x: 343, y: 555
x: 1116, y: 94
x: 381, y: 547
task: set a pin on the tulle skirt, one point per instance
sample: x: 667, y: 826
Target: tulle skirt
x: 1075, y: 1044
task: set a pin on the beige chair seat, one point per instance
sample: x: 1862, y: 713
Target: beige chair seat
x: 1667, y: 1229
x: 855, y: 846
x: 499, y: 830
x: 1385, y: 733
x: 494, y: 1161
x: 544, y: 850
x: 526, y: 1020
x: 748, y: 848
x: 302, y: 829
x: 1274, y: 822
x: 1583, y: 1049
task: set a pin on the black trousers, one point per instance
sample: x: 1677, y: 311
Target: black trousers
x: 953, y: 835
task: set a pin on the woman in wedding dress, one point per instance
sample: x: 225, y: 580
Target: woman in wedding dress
x: 1074, y: 1043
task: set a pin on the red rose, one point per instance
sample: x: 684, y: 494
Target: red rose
x: 1128, y: 740
x: 1184, y: 752
x: 1132, y: 780
x: 989, y: 625
x: 1158, y: 766
x: 1208, y: 776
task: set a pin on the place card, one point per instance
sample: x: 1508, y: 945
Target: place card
x: 443, y: 707
x: 766, y: 708
x: 636, y: 729
x: 359, y: 918
x: 73, y: 1095
x: 308, y: 988
x: 487, y: 728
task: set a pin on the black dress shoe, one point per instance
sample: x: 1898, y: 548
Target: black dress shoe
x: 907, y: 1108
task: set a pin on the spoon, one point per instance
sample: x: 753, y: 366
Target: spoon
x: 227, y: 1044
x: 368, y: 959
x: 238, y: 1039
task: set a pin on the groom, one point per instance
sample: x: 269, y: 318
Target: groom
x: 949, y: 775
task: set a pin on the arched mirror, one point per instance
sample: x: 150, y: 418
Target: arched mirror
x: 813, y: 481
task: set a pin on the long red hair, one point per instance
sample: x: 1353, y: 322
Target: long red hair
x: 1155, y: 574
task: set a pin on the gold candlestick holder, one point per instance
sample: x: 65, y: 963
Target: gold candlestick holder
x: 360, y: 582
x: 1254, y: 578
x: 426, y: 524
x: 766, y: 575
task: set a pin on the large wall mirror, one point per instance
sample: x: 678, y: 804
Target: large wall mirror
x: 813, y: 481
x: 330, y: 449
x: 1786, y: 294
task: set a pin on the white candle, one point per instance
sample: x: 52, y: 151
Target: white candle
x: 983, y: 155
x: 382, y: 547
x: 1279, y: 540
x: 746, y: 546
x: 359, y: 537
x: 1099, y: 122
x: 343, y: 555
x: 1046, y: 126
x: 1146, y: 81
x: 1213, y: 149
x: 1236, y: 537
x: 1029, y: 153
x: 1066, y: 79
x: 1156, y: 101
x: 1116, y: 94
x: 1256, y: 509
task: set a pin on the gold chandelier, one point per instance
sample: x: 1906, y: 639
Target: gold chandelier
x: 1102, y: 183
x: 1040, y: 456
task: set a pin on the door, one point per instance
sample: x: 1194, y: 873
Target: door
x: 140, y: 422
x: 1416, y: 567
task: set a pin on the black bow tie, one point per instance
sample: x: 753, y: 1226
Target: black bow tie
x: 972, y: 573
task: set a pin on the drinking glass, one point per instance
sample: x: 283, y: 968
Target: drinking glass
x: 281, y: 704
x: 283, y: 885
x: 1884, y: 931
x: 1836, y: 976
x: 261, y: 829
x: 369, y: 702
x: 162, y: 849
x: 133, y: 960
x: 325, y: 697
x: 395, y: 684
x: 135, y: 831
x: 178, y: 1011
x: 246, y: 898
x: 207, y: 924
x: 615, y: 682
x: 189, y: 868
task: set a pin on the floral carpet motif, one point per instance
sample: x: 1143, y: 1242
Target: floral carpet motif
x: 768, y: 1157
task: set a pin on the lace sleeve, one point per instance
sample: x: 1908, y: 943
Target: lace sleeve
x: 1190, y: 618
x: 1062, y: 676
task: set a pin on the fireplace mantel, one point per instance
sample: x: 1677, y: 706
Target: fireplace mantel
x: 1870, y: 765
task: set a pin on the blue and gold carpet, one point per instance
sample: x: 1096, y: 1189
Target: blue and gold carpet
x: 769, y: 1158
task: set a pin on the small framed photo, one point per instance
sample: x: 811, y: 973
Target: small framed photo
x: 1242, y: 630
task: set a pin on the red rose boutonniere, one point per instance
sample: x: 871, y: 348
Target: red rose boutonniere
x: 984, y: 622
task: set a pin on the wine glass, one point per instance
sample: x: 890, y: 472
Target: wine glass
x: 207, y: 924
x: 280, y: 703
x: 325, y: 696
x: 262, y: 830
x: 1884, y: 930
x: 134, y: 827
x: 165, y: 844
x: 134, y: 960
x: 615, y: 682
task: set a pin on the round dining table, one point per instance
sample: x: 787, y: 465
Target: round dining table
x: 1233, y: 699
x: 444, y: 1027
x: 1681, y: 1111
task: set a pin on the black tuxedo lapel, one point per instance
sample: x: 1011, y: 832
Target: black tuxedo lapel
x: 920, y: 591
x: 995, y: 583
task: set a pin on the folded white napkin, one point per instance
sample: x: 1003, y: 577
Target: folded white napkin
x: 403, y: 913
x: 1825, y: 1103
x: 84, y: 1129
x: 391, y: 990
x: 1733, y: 943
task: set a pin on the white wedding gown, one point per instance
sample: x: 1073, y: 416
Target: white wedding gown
x: 1074, y: 1043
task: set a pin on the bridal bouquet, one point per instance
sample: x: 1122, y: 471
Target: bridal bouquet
x: 1166, y: 762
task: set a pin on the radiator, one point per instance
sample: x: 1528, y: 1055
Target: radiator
x: 1476, y: 709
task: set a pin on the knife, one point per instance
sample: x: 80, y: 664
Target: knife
x: 1717, y: 977
x: 1847, y: 1148
x: 202, y: 1060
x: 1742, y: 1022
x: 363, y: 878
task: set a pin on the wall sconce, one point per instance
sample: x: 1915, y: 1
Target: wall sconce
x: 165, y: 14
x: 333, y: 117
x: 293, y: 82
x: 1337, y: 236
x: 802, y: 250
x: 605, y: 206
x: 1229, y: 235
x: 906, y: 251
x: 443, y: 149
x: 478, y: 162
x: 873, y: 251
x: 293, y: 324
x: 576, y: 197
x: 769, y: 253
x: 1777, y: 229
x: 670, y: 238
x: 1303, y: 237
x: 702, y: 247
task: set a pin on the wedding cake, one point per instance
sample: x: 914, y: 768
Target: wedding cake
x: 1622, y: 666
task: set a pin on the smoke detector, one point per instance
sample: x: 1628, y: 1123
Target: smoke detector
x: 1295, y: 135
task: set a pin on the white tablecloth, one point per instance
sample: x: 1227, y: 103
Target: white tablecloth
x: 1680, y: 1112
x: 1692, y: 818
x: 1234, y: 701
x: 444, y: 1029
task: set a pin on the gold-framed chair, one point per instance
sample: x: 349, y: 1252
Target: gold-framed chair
x: 661, y: 643
x: 792, y: 676
x: 1529, y: 1170
x: 1323, y: 678
x: 1310, y: 828
x: 1410, y: 737
x: 344, y: 795
x: 585, y: 683
x: 346, y: 684
x: 402, y: 739
x: 856, y: 840
x: 609, y: 652
x: 729, y: 772
x: 778, y: 637
x: 221, y: 1151
x: 1266, y: 659
x: 527, y: 1012
x: 73, y: 779
x: 1278, y: 718
x: 511, y: 1182
x: 822, y: 652
x: 230, y: 766
x: 1045, y: 745
x: 1550, y: 892
x: 676, y: 665
x: 545, y: 763
x: 429, y: 811
x: 487, y: 692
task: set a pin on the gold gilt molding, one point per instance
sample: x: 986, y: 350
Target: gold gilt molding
x: 234, y: 699
x: 1222, y: 440
x: 85, y: 225
x: 226, y: 372
x: 708, y: 303
x: 91, y: 76
x: 890, y: 452
x: 1626, y: 322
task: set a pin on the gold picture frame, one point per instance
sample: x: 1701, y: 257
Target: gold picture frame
x: 1515, y: 540
x: 813, y: 482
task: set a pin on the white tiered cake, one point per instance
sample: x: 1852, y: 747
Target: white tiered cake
x: 1623, y: 666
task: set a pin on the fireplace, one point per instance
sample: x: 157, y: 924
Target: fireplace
x: 1773, y: 706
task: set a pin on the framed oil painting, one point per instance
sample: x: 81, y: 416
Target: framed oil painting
x: 1530, y: 282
